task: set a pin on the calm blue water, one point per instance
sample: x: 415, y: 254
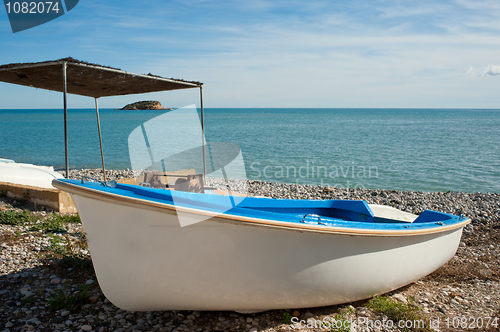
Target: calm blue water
x: 403, y: 149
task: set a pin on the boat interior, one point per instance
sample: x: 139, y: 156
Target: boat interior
x: 314, y: 212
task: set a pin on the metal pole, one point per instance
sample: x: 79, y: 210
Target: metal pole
x: 203, y: 133
x: 100, y: 139
x: 65, y: 101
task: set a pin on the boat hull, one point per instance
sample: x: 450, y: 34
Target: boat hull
x: 28, y: 174
x: 144, y: 260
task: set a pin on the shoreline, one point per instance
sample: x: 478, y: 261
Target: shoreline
x: 114, y: 174
x: 40, y: 290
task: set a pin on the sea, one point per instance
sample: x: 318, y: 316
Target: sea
x: 401, y: 149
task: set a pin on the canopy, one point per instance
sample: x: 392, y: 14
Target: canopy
x: 87, y: 79
x: 73, y: 76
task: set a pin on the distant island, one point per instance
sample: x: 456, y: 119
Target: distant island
x: 145, y: 105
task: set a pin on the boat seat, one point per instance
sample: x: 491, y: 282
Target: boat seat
x: 155, y: 179
x: 191, y: 183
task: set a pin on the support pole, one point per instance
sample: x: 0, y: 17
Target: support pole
x: 100, y: 139
x: 203, y: 133
x: 65, y: 102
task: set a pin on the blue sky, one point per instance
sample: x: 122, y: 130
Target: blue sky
x: 443, y: 54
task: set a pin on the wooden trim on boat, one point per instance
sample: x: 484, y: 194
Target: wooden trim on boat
x: 172, y: 209
x: 227, y: 193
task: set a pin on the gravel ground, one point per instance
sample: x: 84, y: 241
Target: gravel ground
x: 41, y: 292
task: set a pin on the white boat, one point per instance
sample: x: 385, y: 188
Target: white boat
x: 260, y: 254
x: 163, y: 249
x: 27, y: 174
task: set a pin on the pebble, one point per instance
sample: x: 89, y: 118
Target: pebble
x: 400, y: 298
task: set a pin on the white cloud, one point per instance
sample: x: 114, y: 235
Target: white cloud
x: 492, y: 70
x: 489, y: 70
x: 484, y: 5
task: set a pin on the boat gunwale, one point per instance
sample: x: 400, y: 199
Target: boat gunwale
x: 247, y: 221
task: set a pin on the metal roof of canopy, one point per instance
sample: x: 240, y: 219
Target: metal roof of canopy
x: 73, y: 76
x: 88, y: 79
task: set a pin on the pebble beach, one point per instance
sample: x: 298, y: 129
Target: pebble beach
x: 42, y: 290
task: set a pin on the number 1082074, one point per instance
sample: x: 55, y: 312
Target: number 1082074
x: 471, y: 322
x: 40, y: 7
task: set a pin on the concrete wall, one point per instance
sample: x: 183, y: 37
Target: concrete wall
x: 53, y: 198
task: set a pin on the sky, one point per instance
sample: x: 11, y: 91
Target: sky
x: 260, y: 53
